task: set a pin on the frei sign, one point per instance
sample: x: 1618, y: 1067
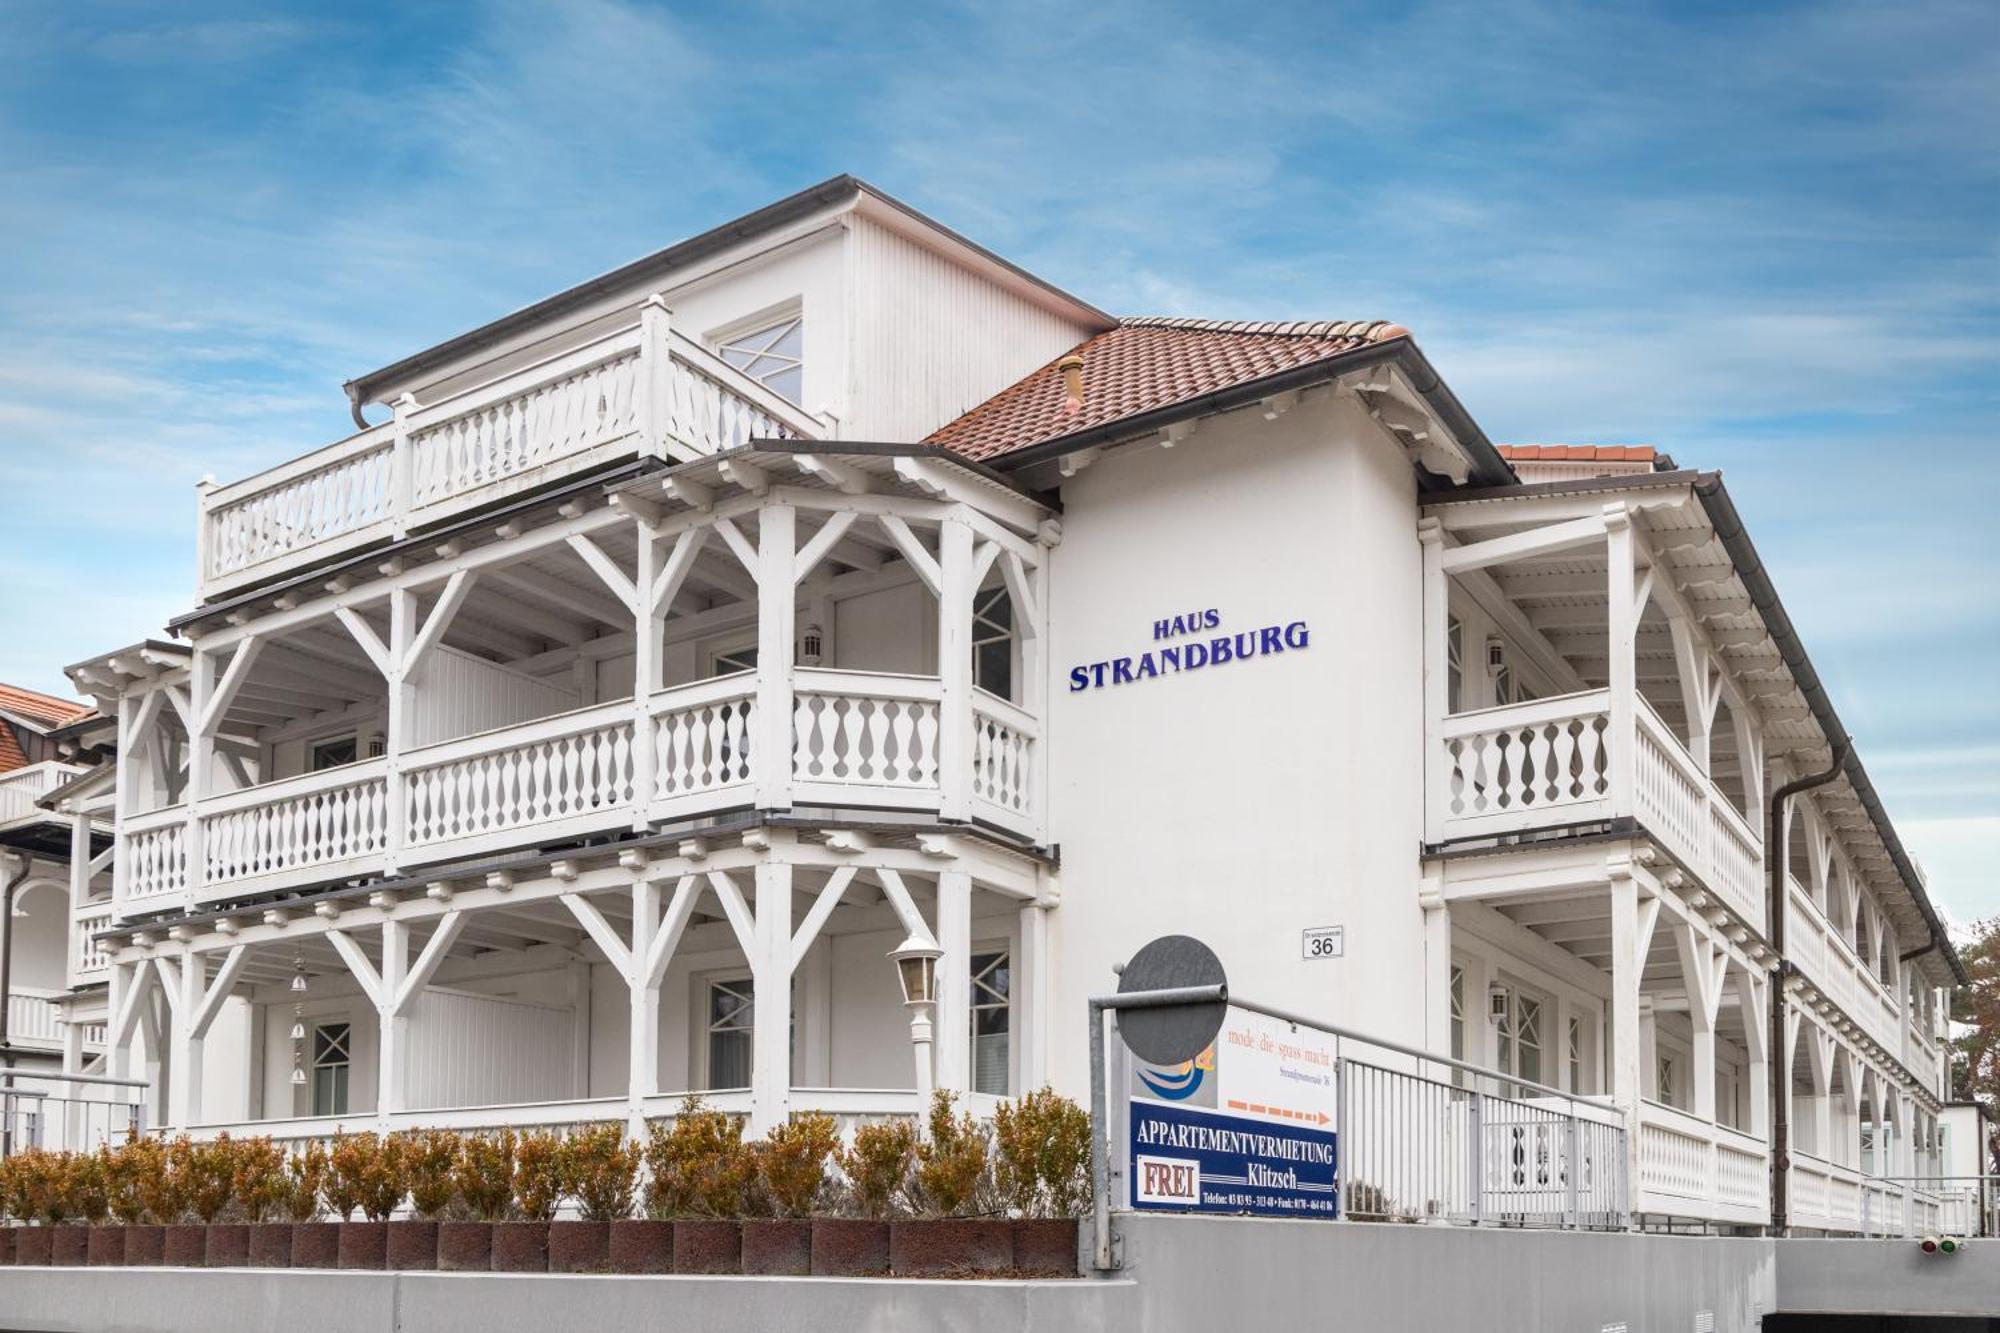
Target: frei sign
x: 1187, y: 642
x: 1245, y: 1127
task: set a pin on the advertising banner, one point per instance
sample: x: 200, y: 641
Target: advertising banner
x: 1245, y: 1127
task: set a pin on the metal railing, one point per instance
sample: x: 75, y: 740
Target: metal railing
x: 1472, y: 1147
x: 74, y: 1119
x: 1930, y: 1205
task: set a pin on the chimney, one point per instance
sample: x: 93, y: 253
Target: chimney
x: 1071, y: 367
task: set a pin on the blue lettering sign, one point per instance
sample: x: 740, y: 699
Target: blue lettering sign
x: 1199, y: 1161
x: 1174, y: 659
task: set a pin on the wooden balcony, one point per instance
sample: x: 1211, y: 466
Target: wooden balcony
x: 20, y: 788
x: 1558, y: 762
x: 1689, y: 1167
x: 856, y: 741
x: 643, y: 390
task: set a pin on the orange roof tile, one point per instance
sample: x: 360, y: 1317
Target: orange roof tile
x: 41, y: 709
x: 1146, y: 364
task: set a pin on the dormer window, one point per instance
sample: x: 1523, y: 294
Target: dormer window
x: 772, y: 354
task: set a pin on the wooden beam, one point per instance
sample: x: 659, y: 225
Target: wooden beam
x: 674, y: 573
x: 843, y: 477
x: 448, y: 602
x: 232, y: 679
x: 218, y: 990
x: 435, y: 948
x: 357, y: 962
x: 1565, y: 536
x: 365, y: 635
x: 738, y: 544
x: 672, y: 926
x: 820, y: 543
x: 914, y: 555
x: 563, y: 595
x: 822, y: 908
x: 615, y: 950
x: 740, y: 921
x: 606, y: 569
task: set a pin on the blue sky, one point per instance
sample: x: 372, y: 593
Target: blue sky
x: 1764, y: 239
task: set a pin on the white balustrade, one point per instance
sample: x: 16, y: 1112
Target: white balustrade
x: 564, y: 414
x: 1526, y: 765
x: 89, y: 961
x: 702, y: 735
x: 31, y: 1017
x: 20, y: 788
x: 314, y: 820
x: 560, y: 776
x: 1004, y: 737
x: 336, y: 497
x: 1740, y: 1169
x: 1689, y: 1167
x: 154, y: 852
x: 1682, y: 807
x: 860, y: 729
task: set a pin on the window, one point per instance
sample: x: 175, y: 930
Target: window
x: 992, y: 985
x: 730, y: 1012
x: 1457, y: 1012
x: 1575, y: 1054
x: 993, y: 641
x: 331, y: 1059
x: 1454, y: 651
x: 771, y: 355
x: 729, y: 661
x: 1521, y: 1037
x: 333, y: 753
x: 1664, y: 1073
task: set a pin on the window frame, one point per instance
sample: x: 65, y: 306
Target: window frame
x: 343, y: 1068
x: 1002, y: 954
x: 724, y: 342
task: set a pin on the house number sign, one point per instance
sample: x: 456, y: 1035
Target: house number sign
x: 1323, y: 942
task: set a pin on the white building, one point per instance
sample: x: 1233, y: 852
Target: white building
x: 592, y: 724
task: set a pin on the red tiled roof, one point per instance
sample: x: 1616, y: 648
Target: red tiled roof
x: 1146, y: 364
x: 1577, y: 453
x: 42, y: 709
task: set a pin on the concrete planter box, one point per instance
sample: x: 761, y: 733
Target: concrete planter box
x: 777, y: 1246
x: 228, y: 1245
x: 31, y: 1246
x: 1045, y: 1246
x: 465, y: 1247
x: 520, y: 1247
x: 271, y: 1245
x: 850, y: 1247
x: 641, y: 1245
x: 106, y: 1247
x: 708, y: 1245
x: 951, y: 1247
x: 413, y: 1245
x: 579, y: 1247
x: 69, y: 1244
x: 364, y: 1245
x: 186, y: 1246
x: 316, y: 1244
x: 145, y: 1245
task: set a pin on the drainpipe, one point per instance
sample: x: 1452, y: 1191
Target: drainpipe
x: 1777, y: 907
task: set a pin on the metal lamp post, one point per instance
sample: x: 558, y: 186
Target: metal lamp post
x: 916, y: 967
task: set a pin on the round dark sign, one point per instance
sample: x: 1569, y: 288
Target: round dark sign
x: 1169, y: 1034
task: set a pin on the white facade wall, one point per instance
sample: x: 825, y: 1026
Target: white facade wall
x: 1247, y: 802
x: 457, y: 694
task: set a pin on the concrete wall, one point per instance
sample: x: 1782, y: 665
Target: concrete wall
x: 1227, y: 1273
x: 1888, y: 1277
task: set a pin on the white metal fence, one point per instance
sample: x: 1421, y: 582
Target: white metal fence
x: 73, y: 1112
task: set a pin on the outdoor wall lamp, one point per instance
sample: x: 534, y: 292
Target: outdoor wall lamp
x: 1496, y: 1002
x: 916, y: 962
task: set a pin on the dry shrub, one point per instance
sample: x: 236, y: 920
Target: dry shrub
x: 208, y: 1173
x: 877, y: 1165
x: 601, y: 1170
x: 483, y: 1175
x: 39, y: 1186
x: 538, y: 1174
x: 951, y: 1163
x: 365, y: 1172
x: 791, y: 1162
x: 1042, y: 1155
x: 429, y: 1158
x: 130, y: 1171
x: 90, y: 1184
x: 700, y: 1165
x: 260, y: 1179
x: 305, y: 1182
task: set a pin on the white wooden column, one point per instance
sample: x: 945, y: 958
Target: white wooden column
x: 1704, y: 993
x: 1752, y: 1001
x: 396, y: 726
x: 1437, y: 973
x: 1437, y: 672
x: 393, y: 1026
x: 651, y: 626
x: 771, y: 1009
x: 642, y: 1060
x: 954, y: 981
x: 777, y: 553
x: 121, y: 801
x: 1627, y: 967
x: 655, y: 376
x: 201, y: 753
x: 954, y: 640
x: 1030, y: 1001
x: 1622, y: 628
x: 118, y: 1003
x: 183, y: 983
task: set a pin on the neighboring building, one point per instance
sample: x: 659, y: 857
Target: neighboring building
x: 595, y: 727
x: 40, y: 755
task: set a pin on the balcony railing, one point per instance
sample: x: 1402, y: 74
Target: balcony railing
x: 1829, y: 963
x: 1553, y: 762
x: 1689, y: 1167
x: 860, y: 740
x: 639, y: 391
x: 88, y: 961
x: 20, y: 788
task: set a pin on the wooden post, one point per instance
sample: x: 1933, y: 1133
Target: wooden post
x: 392, y: 1026
x: 1437, y: 970
x: 121, y: 804
x: 1031, y: 999
x: 771, y: 753
x: 395, y: 731
x: 642, y: 1079
x: 201, y: 757
x: 1627, y: 969
x: 655, y: 376
x: 1622, y: 632
x: 646, y: 674
x: 185, y: 997
x: 203, y: 542
x: 954, y: 641
x: 402, y: 470
x: 771, y: 1006
x: 1437, y: 674
x: 954, y: 981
